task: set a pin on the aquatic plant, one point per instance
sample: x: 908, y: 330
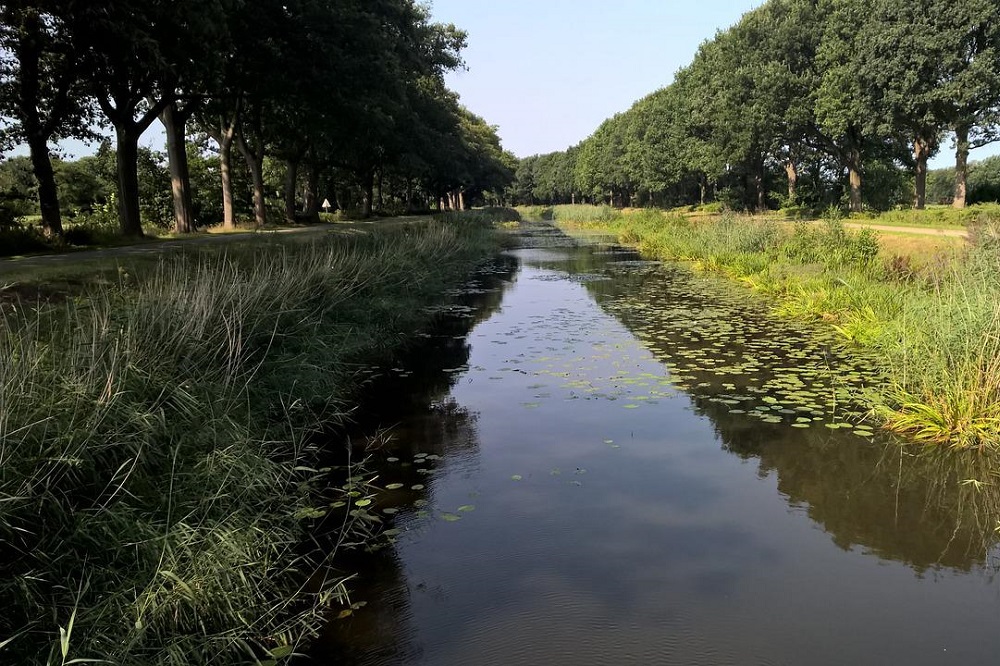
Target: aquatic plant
x: 935, y: 328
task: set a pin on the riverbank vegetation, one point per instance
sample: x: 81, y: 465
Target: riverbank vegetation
x: 272, y: 111
x: 802, y: 106
x: 158, y: 466
x: 930, y: 320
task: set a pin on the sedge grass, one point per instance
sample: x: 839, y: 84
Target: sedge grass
x: 155, y: 465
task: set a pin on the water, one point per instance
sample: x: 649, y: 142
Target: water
x: 623, y: 463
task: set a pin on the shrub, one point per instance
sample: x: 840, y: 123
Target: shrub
x: 16, y: 239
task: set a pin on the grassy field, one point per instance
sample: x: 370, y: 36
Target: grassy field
x: 155, y: 422
x: 927, y: 307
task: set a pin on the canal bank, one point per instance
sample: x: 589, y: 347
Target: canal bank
x: 157, y: 434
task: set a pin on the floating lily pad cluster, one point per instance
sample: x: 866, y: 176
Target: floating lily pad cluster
x: 719, y: 344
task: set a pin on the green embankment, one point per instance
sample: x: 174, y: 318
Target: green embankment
x: 155, y: 440
x: 932, y: 321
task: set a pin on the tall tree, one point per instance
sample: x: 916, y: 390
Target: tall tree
x: 41, y: 68
x: 970, y: 86
x: 843, y: 103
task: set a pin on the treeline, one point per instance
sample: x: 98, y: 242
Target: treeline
x: 346, y: 98
x: 802, y: 103
x: 983, y: 182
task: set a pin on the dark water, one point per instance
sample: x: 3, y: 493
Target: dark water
x: 622, y: 463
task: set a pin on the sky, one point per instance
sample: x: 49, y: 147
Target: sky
x: 548, y: 72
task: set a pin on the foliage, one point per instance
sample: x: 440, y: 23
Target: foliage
x: 347, y: 99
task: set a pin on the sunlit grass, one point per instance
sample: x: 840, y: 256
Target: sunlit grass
x: 929, y: 308
x: 155, y: 464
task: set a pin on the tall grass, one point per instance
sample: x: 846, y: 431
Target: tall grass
x: 934, y: 329
x: 155, y: 464
x: 492, y: 215
x: 941, y: 216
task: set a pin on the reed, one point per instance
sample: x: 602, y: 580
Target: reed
x: 155, y: 456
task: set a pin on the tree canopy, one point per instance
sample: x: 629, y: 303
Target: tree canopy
x: 347, y: 95
x: 802, y: 103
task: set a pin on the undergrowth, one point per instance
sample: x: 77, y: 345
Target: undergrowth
x: 155, y: 458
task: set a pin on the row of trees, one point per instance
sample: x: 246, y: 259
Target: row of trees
x: 837, y: 99
x: 352, y: 88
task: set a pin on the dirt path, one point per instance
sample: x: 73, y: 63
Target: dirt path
x: 153, y: 248
x: 920, y: 231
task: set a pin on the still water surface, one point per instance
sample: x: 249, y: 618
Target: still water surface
x: 606, y: 461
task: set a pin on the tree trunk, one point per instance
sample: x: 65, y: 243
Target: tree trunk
x: 760, y: 191
x: 127, y: 163
x: 226, y: 171
x: 702, y: 188
x: 921, y: 153
x: 311, y: 203
x: 368, y: 194
x: 255, y: 164
x: 854, y: 173
x: 180, y: 179
x: 793, y: 181
x: 291, y: 182
x: 461, y: 199
x: 48, y: 194
x: 225, y: 135
x: 961, y: 166
x: 28, y: 51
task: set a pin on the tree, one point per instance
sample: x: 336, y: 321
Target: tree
x: 848, y: 120
x: 904, y: 82
x: 970, y: 87
x: 41, y: 70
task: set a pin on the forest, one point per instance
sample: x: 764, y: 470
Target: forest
x: 803, y: 104
x: 268, y: 108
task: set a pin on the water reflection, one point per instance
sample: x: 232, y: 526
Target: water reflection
x: 670, y: 477
x: 868, y: 491
x: 411, y: 401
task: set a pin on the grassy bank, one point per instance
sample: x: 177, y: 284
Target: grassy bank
x: 155, y: 465
x: 931, y: 319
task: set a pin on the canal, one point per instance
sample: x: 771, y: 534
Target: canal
x: 601, y: 460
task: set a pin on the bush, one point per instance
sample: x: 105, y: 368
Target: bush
x: 536, y: 212
x: 93, y: 231
x: 584, y: 214
x: 796, y: 212
x: 16, y: 239
x: 714, y: 207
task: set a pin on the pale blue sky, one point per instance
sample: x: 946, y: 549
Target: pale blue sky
x: 548, y: 72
